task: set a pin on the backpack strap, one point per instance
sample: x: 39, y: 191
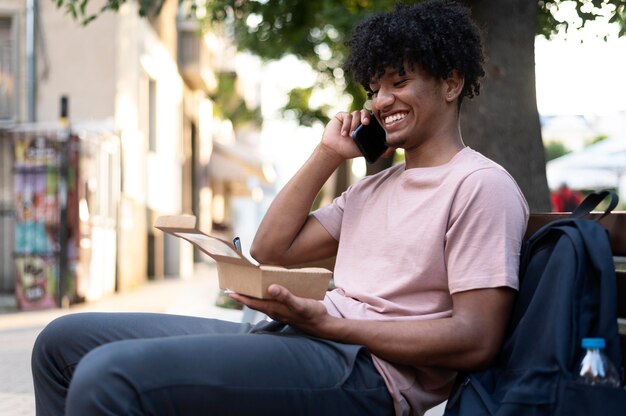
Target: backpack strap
x: 592, y: 200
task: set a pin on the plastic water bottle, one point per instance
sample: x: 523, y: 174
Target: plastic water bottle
x: 596, y: 368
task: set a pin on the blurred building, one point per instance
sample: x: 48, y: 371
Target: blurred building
x: 148, y: 82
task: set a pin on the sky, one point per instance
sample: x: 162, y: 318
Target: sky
x: 580, y: 78
x: 579, y: 72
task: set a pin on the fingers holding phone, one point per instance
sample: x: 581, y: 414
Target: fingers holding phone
x: 364, y: 133
x: 359, y: 118
x: 337, y: 134
x: 351, y: 121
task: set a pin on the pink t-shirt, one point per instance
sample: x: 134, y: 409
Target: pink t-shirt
x: 409, y: 238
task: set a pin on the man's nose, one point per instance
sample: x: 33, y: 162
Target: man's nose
x: 384, y: 98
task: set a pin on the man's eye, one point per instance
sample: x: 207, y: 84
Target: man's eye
x: 371, y: 94
x: 400, y: 83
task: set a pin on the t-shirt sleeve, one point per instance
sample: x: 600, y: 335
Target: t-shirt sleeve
x: 331, y: 215
x: 487, y: 224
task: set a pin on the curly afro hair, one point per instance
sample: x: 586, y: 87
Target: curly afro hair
x: 438, y: 36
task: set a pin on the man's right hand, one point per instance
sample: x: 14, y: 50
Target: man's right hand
x: 337, y: 135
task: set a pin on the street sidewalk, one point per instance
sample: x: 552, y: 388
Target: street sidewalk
x: 18, y: 329
x: 192, y: 296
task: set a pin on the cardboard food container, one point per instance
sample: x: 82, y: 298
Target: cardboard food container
x: 237, y: 273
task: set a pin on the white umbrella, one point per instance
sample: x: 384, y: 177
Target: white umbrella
x: 606, y: 154
x: 601, y: 165
x: 581, y: 178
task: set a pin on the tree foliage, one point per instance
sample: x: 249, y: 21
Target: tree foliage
x: 230, y: 105
x: 80, y: 9
x: 555, y: 149
x: 315, y: 31
x: 586, y: 11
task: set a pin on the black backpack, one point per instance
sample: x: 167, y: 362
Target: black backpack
x: 567, y: 292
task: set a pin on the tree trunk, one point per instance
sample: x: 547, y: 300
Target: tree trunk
x: 503, y: 122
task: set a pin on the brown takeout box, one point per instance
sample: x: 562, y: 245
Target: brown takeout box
x: 237, y: 273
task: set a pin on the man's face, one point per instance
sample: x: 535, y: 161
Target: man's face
x: 408, y: 105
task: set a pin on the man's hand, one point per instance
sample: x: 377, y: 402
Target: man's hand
x: 338, y: 133
x: 301, y: 313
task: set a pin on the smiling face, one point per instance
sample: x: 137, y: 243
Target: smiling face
x: 420, y: 113
x: 413, y: 107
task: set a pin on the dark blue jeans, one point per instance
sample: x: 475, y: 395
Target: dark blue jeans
x: 152, y: 364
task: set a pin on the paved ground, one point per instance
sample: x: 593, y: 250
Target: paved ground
x: 18, y: 330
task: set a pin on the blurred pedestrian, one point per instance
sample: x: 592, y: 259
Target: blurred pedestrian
x: 565, y: 199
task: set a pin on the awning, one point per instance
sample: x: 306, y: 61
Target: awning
x: 238, y: 162
x: 601, y: 165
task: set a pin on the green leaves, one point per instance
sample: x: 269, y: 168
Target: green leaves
x: 78, y: 9
x: 585, y: 11
x: 315, y: 30
x: 229, y: 105
x: 275, y: 28
x: 299, y: 106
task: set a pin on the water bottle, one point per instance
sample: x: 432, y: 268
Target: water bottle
x: 596, y: 368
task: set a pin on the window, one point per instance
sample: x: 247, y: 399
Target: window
x: 7, y: 70
x: 152, y: 111
x: 148, y: 111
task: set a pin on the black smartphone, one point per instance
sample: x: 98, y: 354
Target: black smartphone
x: 371, y: 140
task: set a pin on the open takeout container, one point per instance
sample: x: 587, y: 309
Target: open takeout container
x: 237, y: 273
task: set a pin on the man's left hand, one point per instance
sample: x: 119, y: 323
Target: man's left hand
x: 301, y: 313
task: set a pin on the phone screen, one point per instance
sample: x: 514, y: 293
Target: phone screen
x: 371, y: 140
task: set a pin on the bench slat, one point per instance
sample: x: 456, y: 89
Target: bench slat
x: 615, y: 223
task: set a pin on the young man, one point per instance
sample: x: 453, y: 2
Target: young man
x: 426, y: 266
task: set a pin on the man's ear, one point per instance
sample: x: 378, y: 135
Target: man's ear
x: 453, y: 85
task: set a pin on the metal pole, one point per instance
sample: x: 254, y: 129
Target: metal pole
x: 62, y: 299
x: 31, y: 66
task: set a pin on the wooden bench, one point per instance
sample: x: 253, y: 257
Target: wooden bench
x: 615, y: 223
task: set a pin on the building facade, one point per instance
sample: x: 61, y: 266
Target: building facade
x: 148, y: 83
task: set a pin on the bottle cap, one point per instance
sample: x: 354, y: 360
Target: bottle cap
x: 593, y: 343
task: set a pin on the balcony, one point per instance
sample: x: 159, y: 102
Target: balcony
x: 195, y: 61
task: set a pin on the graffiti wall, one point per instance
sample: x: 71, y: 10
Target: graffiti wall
x: 45, y: 174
